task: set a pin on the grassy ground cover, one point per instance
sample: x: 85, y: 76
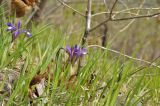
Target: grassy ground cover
x: 106, y: 78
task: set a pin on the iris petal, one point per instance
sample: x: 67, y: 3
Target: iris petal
x: 15, y: 35
x: 27, y: 33
x: 75, y: 52
x: 19, y: 25
x: 68, y: 49
x: 84, y: 51
x: 11, y: 27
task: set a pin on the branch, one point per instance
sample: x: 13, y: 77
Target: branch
x: 123, y: 19
x: 142, y: 9
x: 137, y: 17
x: 86, y: 33
x: 31, y: 16
x: 83, y: 2
x: 117, y: 52
x: 104, y: 37
x: 88, y: 22
x: 126, y: 11
x: 102, y: 23
x: 110, y: 17
x: 52, y: 10
x: 63, y: 3
x: 36, y: 14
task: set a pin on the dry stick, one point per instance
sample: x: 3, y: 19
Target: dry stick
x: 131, y: 22
x: 36, y: 14
x: 31, y: 16
x: 125, y: 11
x: 88, y: 22
x: 104, y: 37
x: 123, y: 19
x: 105, y: 34
x: 52, y: 10
x: 82, y: 2
x: 110, y: 15
x: 117, y: 52
x: 107, y: 20
x: 136, y: 17
x: 105, y: 30
x: 142, y: 9
x: 86, y: 33
x: 63, y: 3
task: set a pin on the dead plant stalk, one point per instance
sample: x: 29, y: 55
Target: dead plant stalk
x: 88, y: 22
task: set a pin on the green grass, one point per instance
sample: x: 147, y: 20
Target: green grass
x: 117, y: 80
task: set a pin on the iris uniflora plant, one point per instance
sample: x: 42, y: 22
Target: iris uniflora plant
x: 75, y: 53
x: 16, y: 30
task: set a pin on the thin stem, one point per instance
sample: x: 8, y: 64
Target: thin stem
x: 117, y: 52
x: 125, y: 11
x: 102, y: 23
x: 110, y: 15
x: 124, y: 19
x: 63, y: 3
x: 136, y: 17
x: 108, y: 19
x: 31, y: 16
x: 37, y: 13
x: 52, y: 10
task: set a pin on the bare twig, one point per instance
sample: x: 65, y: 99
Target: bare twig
x: 63, y: 3
x: 88, y: 22
x: 110, y: 15
x: 83, y: 2
x: 141, y: 5
x: 123, y: 19
x: 31, y: 16
x: 102, y: 23
x: 115, y: 13
x: 117, y: 52
x: 36, y: 14
x: 125, y: 11
x: 104, y: 37
x: 136, y: 17
x: 52, y: 10
x: 108, y: 19
x: 139, y: 8
x: 105, y: 26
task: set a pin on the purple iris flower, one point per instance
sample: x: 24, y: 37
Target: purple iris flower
x: 16, y: 30
x: 75, y: 52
